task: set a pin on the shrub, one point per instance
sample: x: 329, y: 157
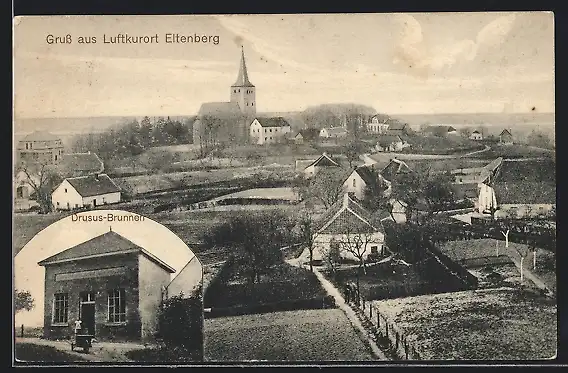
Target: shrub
x: 180, y: 322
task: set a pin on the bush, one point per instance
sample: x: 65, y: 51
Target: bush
x: 180, y: 322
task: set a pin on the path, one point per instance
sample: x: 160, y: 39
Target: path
x: 101, y: 351
x: 369, y: 161
x: 529, y: 274
x: 340, y: 302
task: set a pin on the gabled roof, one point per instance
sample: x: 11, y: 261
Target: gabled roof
x: 273, y: 122
x: 93, y: 185
x: 440, y: 130
x: 398, y: 126
x: 220, y: 109
x: 505, y: 132
x: 525, y: 192
x: 476, y: 131
x: 40, y: 136
x: 298, y: 135
x: 347, y: 216
x: 336, y: 130
x: 368, y: 174
x: 324, y: 161
x: 107, y: 244
x: 395, y: 166
x: 242, y: 78
x: 82, y: 162
x: 386, y: 140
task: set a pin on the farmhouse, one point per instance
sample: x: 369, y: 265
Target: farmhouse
x: 298, y: 138
x: 333, y: 132
x: 85, y: 191
x: 223, y: 122
x: 347, y: 226
x: 378, y: 124
x: 323, y: 161
x: 439, y: 131
x: 400, y: 129
x: 390, y: 143
x: 395, y: 167
x: 268, y: 130
x: 112, y: 285
x: 361, y: 178
x: 506, y: 137
x: 40, y: 147
x: 476, y: 135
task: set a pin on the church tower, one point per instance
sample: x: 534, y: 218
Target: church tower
x: 243, y: 91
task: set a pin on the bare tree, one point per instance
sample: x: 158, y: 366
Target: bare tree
x: 523, y: 252
x: 355, y: 243
x: 42, y: 178
x: 308, y: 234
x: 326, y: 186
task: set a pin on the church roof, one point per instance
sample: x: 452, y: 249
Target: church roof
x: 242, y: 78
x: 109, y: 243
x: 273, y: 122
x: 220, y: 109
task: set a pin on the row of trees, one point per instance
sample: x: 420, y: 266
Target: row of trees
x: 134, y: 137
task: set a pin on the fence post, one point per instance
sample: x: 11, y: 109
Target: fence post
x: 22, y: 331
x: 370, y: 311
x: 378, y: 319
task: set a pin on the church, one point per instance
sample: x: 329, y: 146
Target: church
x: 220, y: 123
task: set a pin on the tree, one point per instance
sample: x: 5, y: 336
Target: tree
x: 523, y: 252
x: 23, y: 300
x: 42, y: 178
x: 408, y: 188
x: 437, y: 193
x: 326, y: 186
x: 157, y: 160
x: 539, y: 140
x: 376, y: 195
x: 308, y: 234
x: 332, y: 256
x: 354, y: 148
x: 465, y: 132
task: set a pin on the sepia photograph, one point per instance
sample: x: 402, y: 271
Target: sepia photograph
x: 284, y: 188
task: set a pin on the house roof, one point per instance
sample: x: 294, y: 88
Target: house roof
x: 220, y: 109
x: 386, y: 140
x: 368, y: 174
x: 242, y: 78
x: 93, y: 185
x: 298, y: 135
x: 525, y: 192
x: 439, y: 130
x: 273, y: 122
x: 107, y: 244
x: 336, y: 130
x: 395, y: 166
x: 40, y: 136
x: 476, y: 131
x: 82, y: 162
x: 397, y: 126
x: 505, y: 132
x: 382, y: 118
x: 347, y: 216
x: 324, y: 161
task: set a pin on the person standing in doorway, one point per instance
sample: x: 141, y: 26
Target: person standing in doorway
x: 78, y: 326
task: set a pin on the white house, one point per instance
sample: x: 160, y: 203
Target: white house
x: 390, y: 143
x: 378, y: 125
x: 323, y: 161
x: 333, y: 132
x: 269, y: 130
x: 346, y: 225
x: 85, y: 191
x: 486, y: 198
x: 361, y: 177
x: 476, y: 135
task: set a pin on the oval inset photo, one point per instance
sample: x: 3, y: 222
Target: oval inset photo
x: 109, y: 276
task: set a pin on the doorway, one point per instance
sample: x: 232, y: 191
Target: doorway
x: 87, y: 313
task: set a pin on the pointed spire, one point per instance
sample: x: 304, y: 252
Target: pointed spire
x: 242, y: 78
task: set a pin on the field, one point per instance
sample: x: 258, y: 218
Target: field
x: 461, y: 251
x: 283, y: 283
x: 305, y: 335
x: 382, y: 281
x: 28, y: 352
x: 514, y: 151
x: 493, y: 324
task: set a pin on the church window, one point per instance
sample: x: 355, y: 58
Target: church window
x: 354, y: 183
x: 271, y: 130
x: 234, y: 91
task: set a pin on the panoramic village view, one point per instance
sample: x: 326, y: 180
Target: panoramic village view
x: 333, y: 230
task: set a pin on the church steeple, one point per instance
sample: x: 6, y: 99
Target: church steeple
x: 243, y: 92
x: 242, y: 78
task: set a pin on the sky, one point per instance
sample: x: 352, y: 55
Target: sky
x: 66, y: 233
x: 419, y: 63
